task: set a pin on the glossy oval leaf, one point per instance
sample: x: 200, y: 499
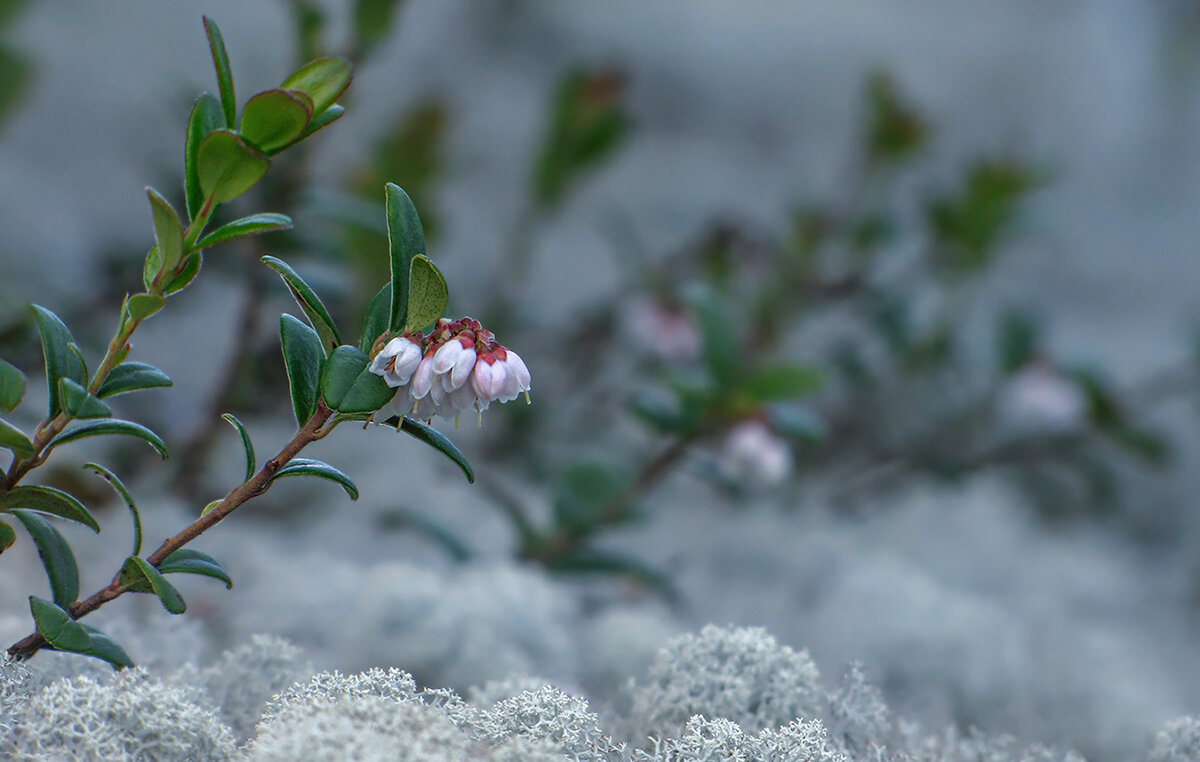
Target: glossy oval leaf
x: 302, y: 358
x: 114, y: 426
x: 206, y: 116
x: 62, y: 361
x: 56, y: 555
x: 12, y: 386
x: 8, y: 536
x: 406, y: 240
x: 12, y: 438
x: 255, y: 224
x: 191, y: 268
x: 324, y: 80
x: 131, y: 377
x: 216, y: 45
x: 274, y: 119
x: 247, y: 445
x: 140, y: 577
x: 168, y: 230
x: 104, y: 647
x: 78, y: 403
x: 309, y: 302
x: 123, y: 492
x: 781, y: 382
x: 228, y: 166
x: 48, y: 500
x: 427, y: 294
x: 142, y: 306
x: 375, y: 321
x: 324, y: 119
x: 189, y: 561
x: 438, y: 441
x: 319, y: 469
x: 150, y: 269
x: 57, y: 627
x: 348, y: 386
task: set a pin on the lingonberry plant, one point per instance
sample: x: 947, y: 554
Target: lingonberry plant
x: 410, y: 362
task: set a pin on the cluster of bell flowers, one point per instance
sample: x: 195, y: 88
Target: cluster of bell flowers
x: 459, y: 366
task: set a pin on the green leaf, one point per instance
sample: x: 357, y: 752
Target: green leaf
x: 48, y: 500
x: 348, y: 386
x: 206, y: 117
x: 12, y: 438
x: 722, y: 354
x: 56, y: 556
x: 323, y: 80
x: 405, y: 241
x: 131, y: 377
x: 224, y: 77
x: 228, y: 166
x: 255, y: 224
x: 140, y: 577
x: 142, y: 306
x: 104, y: 647
x: 437, y: 440
x: 62, y: 361
x: 660, y: 411
x: 428, y: 527
x: 581, y: 491
x: 590, y: 561
x: 168, y: 230
x: 306, y: 467
x: 782, y: 382
x: 302, y: 357
x: 79, y: 403
x: 114, y: 426
x: 323, y: 120
x: 8, y: 536
x: 274, y: 119
x: 150, y: 270
x: 372, y: 20
x: 191, y: 267
x: 247, y: 445
x: 375, y: 321
x: 121, y: 490
x: 1016, y: 341
x: 188, y: 561
x: 427, y: 294
x: 309, y: 302
x: 12, y: 386
x: 57, y: 627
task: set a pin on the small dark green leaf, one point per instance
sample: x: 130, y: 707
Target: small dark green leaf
x: 12, y: 438
x: 151, y: 268
x: 12, y: 386
x: 1016, y: 341
x: 324, y: 119
x: 405, y: 241
x: 323, y: 80
x: 104, y: 647
x: 659, y: 410
x: 191, y: 267
x: 115, y: 426
x: 372, y: 21
x: 142, y: 306
x: 437, y: 440
x: 427, y: 294
x: 48, y: 500
x: 56, y: 556
x: 306, y: 467
x: 402, y: 519
x: 721, y: 352
x: 224, y: 76
x: 302, y: 357
x: 130, y: 377
x: 590, y: 561
x: 349, y: 387
x: 375, y: 322
x: 8, y: 536
x: 274, y: 119
x: 247, y: 445
x: 582, y: 489
x: 309, y: 302
x: 206, y: 117
x: 168, y: 231
x: 57, y: 627
x: 62, y: 361
x: 189, y: 561
x: 255, y: 224
x: 782, y: 382
x: 79, y: 403
x: 119, y: 486
x: 139, y: 576
x: 228, y: 166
